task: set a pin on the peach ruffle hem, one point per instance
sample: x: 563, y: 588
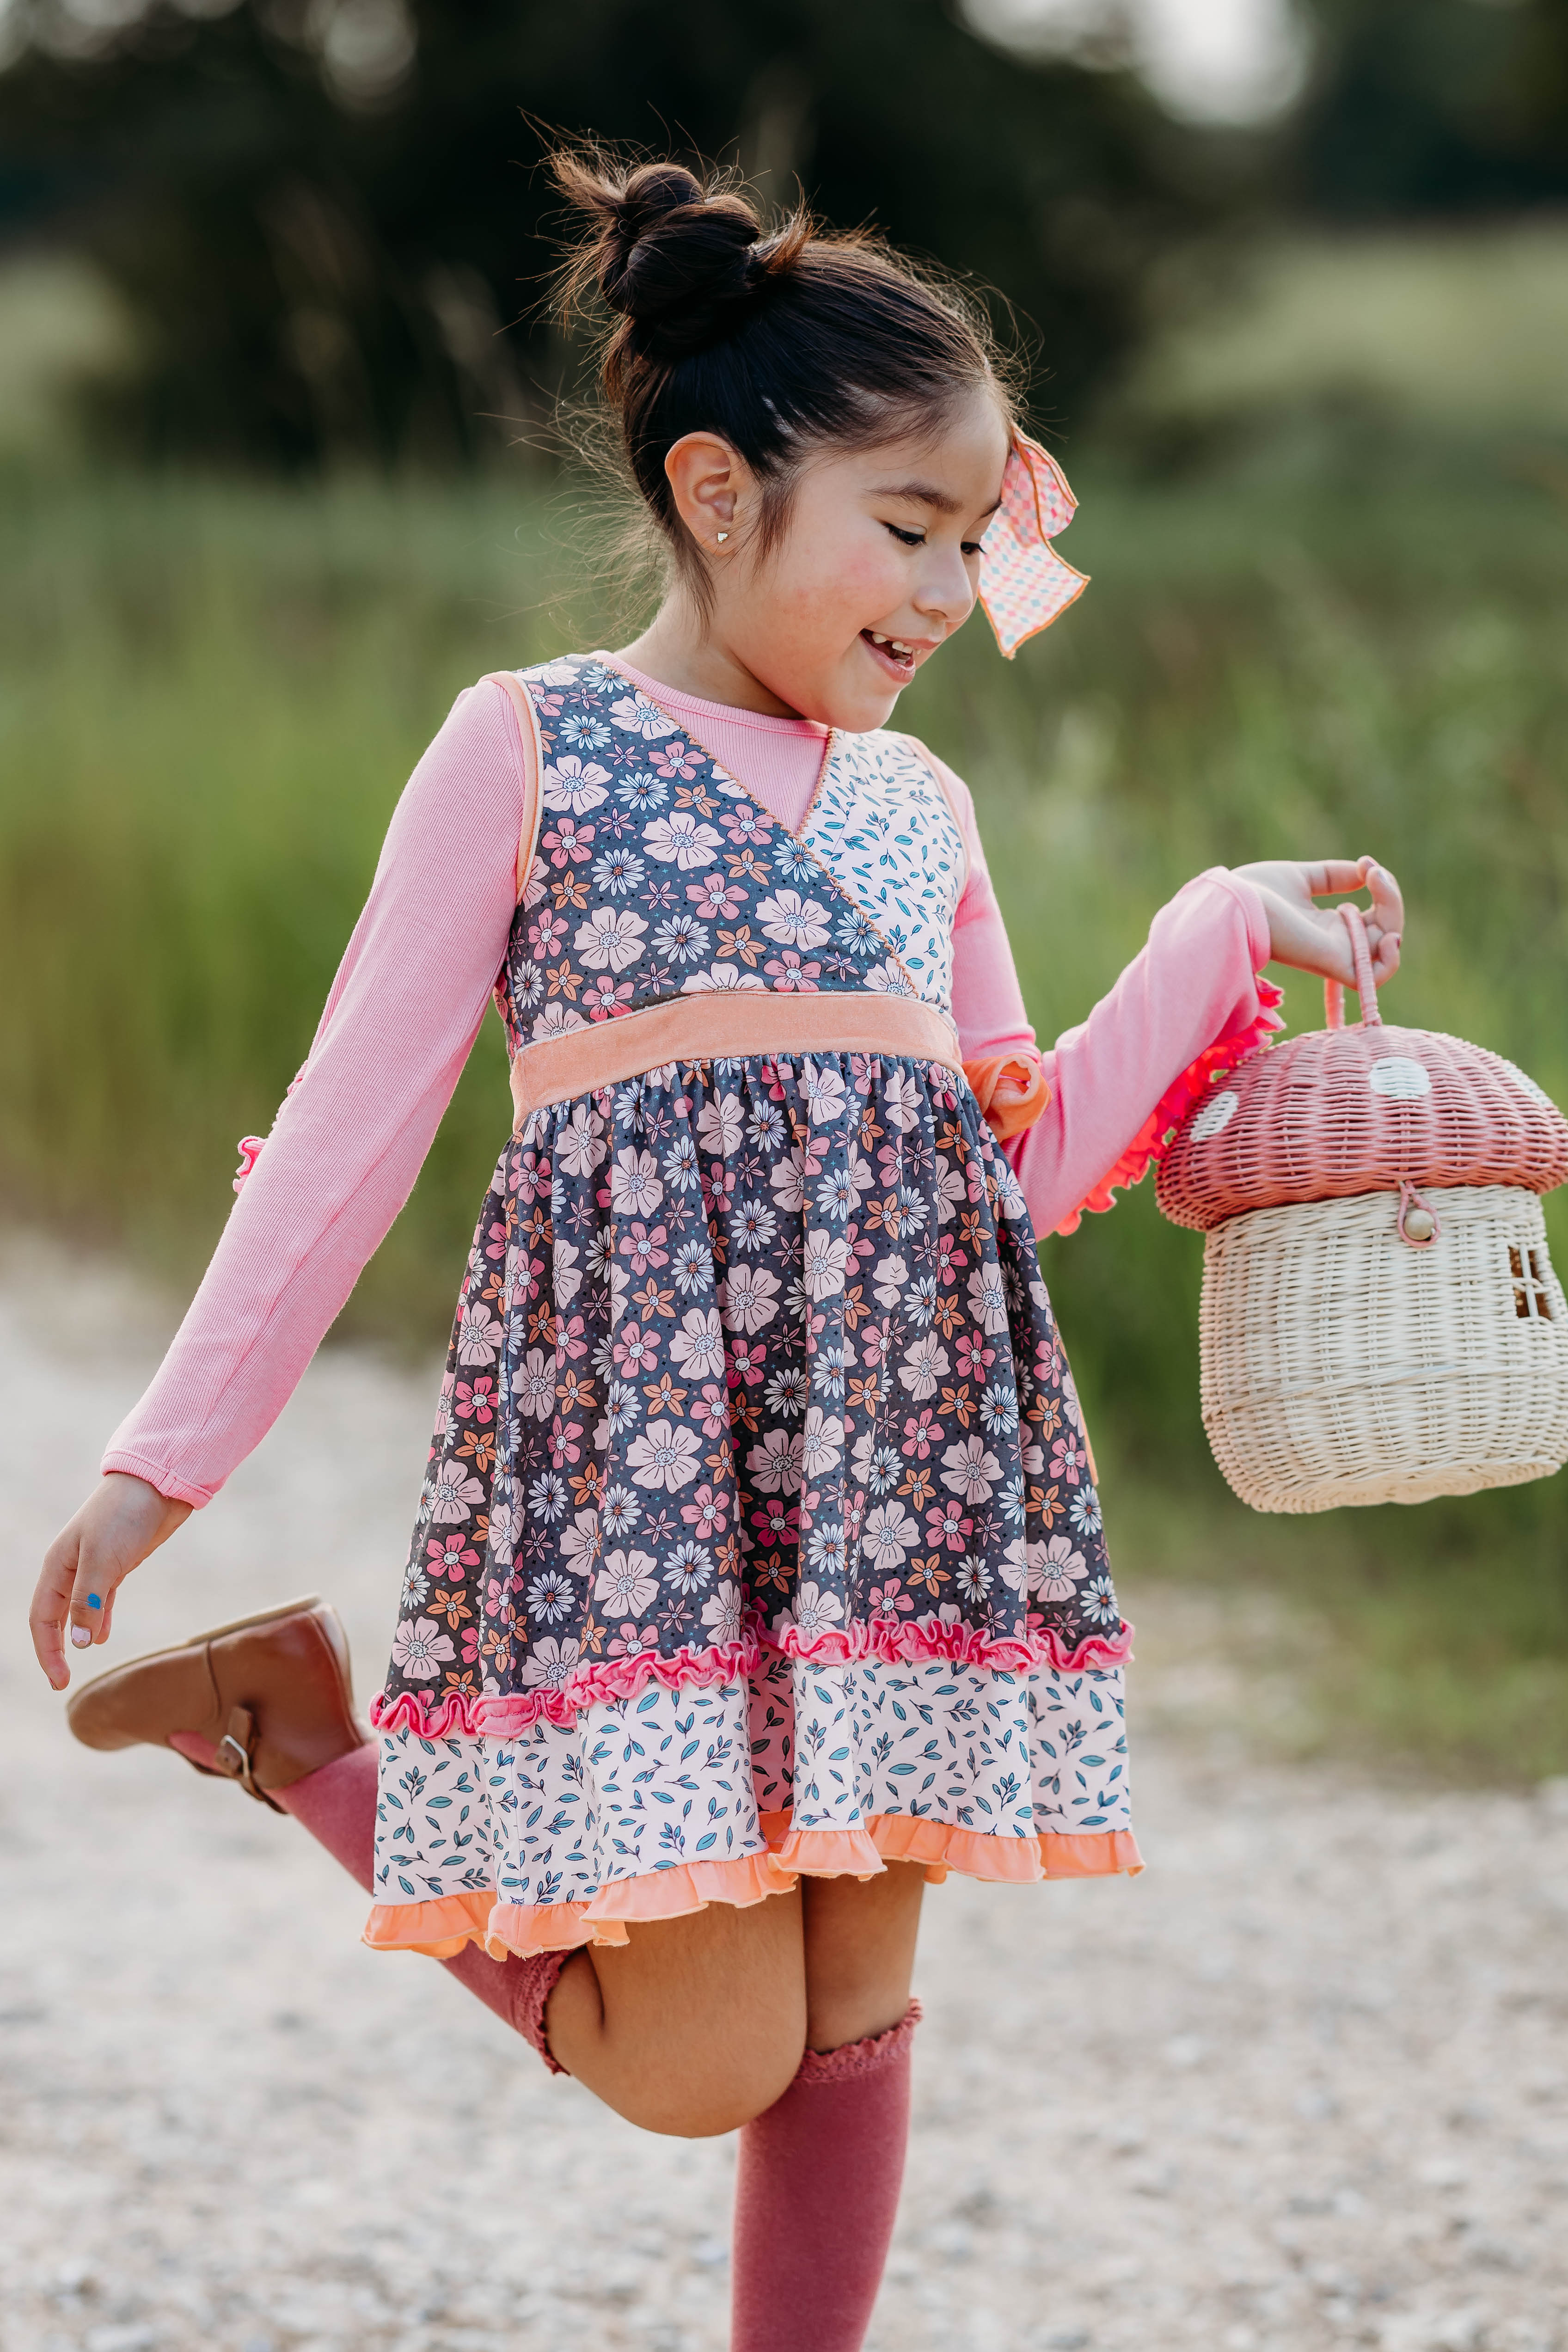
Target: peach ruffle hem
x: 442, y: 1928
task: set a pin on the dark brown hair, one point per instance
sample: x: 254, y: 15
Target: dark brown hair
x: 780, y: 341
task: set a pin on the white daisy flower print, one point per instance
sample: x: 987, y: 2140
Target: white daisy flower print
x: 635, y: 1189
x: 748, y: 1298
x: 720, y: 1125
x: 416, y: 1585
x: 793, y: 921
x: 988, y: 1299
x: 971, y: 1470
x: 887, y: 979
x: 680, y: 1165
x: 753, y: 1225
x: 619, y: 871
x: 724, y: 1612
x: 681, y: 840
x: 611, y: 939
x: 1084, y: 1512
x: 787, y: 1390
x: 683, y: 939
x: 420, y: 1649
x: 973, y: 1579
x: 888, y: 1537
x: 698, y: 1346
x: 1099, y: 1602
x: 1056, y: 1569
x: 574, y: 785
x: 822, y: 1443
x: 774, y: 1464
x: 619, y: 1512
x: 551, y: 1597
x: 689, y: 1568
x: 665, y: 1456
x: 922, y: 1368
x: 627, y: 1584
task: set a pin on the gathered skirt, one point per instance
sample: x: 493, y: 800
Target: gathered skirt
x: 759, y: 1536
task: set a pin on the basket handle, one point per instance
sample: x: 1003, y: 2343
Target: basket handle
x: 1366, y: 986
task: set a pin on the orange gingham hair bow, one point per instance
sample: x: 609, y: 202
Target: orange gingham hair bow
x: 1023, y: 582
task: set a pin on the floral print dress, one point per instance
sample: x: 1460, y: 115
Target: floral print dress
x: 759, y: 1535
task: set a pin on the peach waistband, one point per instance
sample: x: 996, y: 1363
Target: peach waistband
x: 727, y: 1024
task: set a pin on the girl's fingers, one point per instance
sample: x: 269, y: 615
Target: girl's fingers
x: 73, y: 1608
x: 51, y: 1605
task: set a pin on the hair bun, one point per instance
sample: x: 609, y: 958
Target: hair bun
x: 680, y: 263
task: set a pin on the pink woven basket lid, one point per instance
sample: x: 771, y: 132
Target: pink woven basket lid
x: 1362, y: 1109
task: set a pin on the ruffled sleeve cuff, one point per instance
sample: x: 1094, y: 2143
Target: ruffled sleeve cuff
x: 1247, y: 1026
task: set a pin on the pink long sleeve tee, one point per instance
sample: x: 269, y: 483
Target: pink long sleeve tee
x: 411, y: 990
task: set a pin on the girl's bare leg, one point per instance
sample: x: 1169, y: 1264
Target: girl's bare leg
x: 696, y: 2025
x: 859, y: 1953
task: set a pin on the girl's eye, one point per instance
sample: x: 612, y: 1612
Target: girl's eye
x: 974, y: 546
x: 906, y: 537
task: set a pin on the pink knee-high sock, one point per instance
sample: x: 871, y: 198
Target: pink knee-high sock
x: 337, y: 1805
x: 817, y: 2194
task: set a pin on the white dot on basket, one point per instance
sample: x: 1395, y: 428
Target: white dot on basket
x: 1218, y: 1112
x: 1397, y: 1075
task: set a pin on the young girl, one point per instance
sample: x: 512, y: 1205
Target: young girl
x: 758, y: 1576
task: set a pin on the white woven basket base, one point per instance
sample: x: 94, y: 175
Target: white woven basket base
x: 1341, y: 1366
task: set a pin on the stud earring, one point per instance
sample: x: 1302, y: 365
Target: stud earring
x: 721, y: 536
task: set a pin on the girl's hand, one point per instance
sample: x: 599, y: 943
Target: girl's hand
x: 90, y: 1560
x: 1314, y: 938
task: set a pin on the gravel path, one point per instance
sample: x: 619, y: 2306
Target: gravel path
x: 1304, y: 2083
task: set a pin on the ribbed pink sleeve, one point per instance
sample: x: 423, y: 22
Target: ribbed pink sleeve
x: 1190, y: 1004
x: 351, y: 1139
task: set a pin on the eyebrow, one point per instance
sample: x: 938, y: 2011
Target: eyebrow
x: 925, y: 494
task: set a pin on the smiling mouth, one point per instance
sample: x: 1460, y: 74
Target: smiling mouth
x: 899, y: 657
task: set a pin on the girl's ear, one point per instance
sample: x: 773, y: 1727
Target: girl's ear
x: 709, y: 481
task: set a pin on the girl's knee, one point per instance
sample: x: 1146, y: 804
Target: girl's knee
x: 703, y: 2098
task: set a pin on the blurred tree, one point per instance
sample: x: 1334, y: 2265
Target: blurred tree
x: 1435, y: 106
x: 321, y: 213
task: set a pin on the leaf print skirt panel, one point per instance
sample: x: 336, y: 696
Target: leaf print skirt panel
x: 754, y: 1377
x: 651, y: 1807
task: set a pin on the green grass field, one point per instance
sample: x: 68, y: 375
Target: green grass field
x: 210, y: 698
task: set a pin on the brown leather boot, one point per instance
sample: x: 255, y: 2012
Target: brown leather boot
x: 269, y: 1694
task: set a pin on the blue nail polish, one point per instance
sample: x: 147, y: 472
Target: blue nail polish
x: 93, y: 1602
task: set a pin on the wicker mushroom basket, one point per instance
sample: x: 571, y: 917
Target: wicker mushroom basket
x: 1380, y: 1322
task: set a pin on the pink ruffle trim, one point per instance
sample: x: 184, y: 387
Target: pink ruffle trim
x: 1153, y: 1139
x: 614, y: 1678
x: 251, y: 1147
x: 442, y: 1927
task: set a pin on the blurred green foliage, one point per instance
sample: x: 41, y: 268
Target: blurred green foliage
x: 213, y: 694
x: 323, y: 213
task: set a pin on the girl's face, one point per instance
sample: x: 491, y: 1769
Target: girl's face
x: 877, y: 566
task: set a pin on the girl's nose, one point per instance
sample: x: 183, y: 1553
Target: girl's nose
x: 944, y: 591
